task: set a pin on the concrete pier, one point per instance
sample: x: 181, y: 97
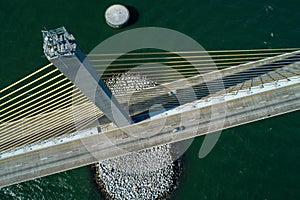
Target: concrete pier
x: 117, y: 16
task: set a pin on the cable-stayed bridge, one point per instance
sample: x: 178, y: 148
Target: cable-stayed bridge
x: 49, y: 125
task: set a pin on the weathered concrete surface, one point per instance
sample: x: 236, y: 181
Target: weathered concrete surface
x: 113, y: 143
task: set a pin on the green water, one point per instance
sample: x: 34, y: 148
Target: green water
x: 255, y: 161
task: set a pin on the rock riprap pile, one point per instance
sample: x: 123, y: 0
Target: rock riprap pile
x: 146, y: 174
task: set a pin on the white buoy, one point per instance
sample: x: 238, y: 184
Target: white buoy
x: 116, y: 16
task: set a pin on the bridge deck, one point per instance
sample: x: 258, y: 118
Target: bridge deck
x: 113, y: 143
x: 247, y: 108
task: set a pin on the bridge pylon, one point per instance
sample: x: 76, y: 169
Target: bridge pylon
x: 61, y: 48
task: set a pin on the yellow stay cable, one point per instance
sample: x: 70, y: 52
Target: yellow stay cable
x: 26, y: 77
x: 39, y: 102
x: 26, y: 85
x: 56, y: 83
x: 43, y: 124
x: 44, y: 108
x: 45, y: 136
x: 186, y: 57
x: 31, y: 119
x: 201, y: 51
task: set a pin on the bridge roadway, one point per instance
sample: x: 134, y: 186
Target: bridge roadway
x: 115, y: 142
x: 48, y: 125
